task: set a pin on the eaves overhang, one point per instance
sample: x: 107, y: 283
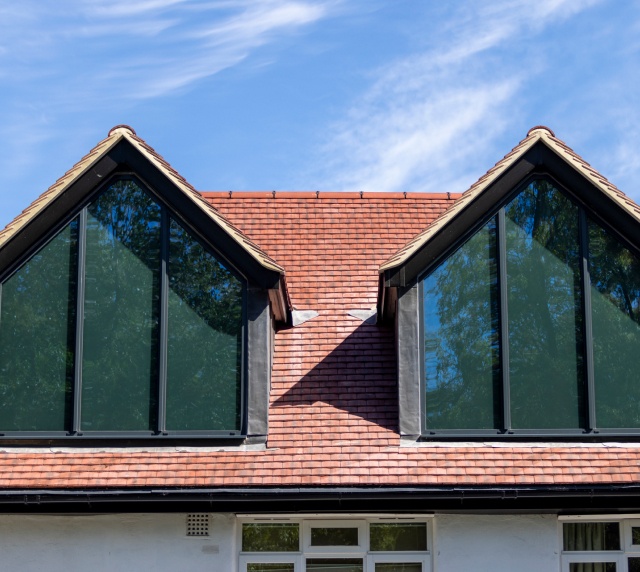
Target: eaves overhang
x: 122, y: 152
x: 556, y: 499
x: 539, y: 154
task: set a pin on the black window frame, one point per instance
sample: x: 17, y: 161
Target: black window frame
x: 75, y: 433
x: 591, y: 430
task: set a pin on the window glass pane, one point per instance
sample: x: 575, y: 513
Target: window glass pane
x: 592, y: 567
x: 205, y: 337
x: 37, y: 333
x: 544, y: 309
x: 634, y: 564
x: 334, y: 537
x: 335, y: 564
x: 615, y: 301
x: 394, y: 537
x: 119, y: 369
x: 270, y: 567
x: 461, y: 361
x: 591, y: 536
x: 398, y: 567
x: 635, y: 535
x: 270, y: 537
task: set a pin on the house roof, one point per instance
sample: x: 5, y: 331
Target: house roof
x: 536, y: 135
x: 115, y: 136
x: 333, y: 403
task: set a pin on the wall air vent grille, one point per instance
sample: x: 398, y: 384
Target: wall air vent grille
x: 198, y: 524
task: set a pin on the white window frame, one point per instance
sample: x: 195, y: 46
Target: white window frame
x: 628, y: 550
x: 298, y: 559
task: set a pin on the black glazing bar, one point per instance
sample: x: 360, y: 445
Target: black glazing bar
x: 588, y: 322
x: 164, y: 322
x: 80, y: 290
x: 504, y: 320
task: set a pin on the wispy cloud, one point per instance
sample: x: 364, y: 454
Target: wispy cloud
x: 428, y: 117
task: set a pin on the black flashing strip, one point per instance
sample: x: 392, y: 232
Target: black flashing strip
x: 569, y: 499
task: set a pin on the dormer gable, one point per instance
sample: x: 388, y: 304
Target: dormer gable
x: 158, y: 312
x: 517, y: 310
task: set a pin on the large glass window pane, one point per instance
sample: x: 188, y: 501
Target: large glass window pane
x: 335, y: 564
x: 270, y: 537
x: 395, y: 537
x: 581, y: 536
x: 325, y: 536
x: 205, y: 337
x: 119, y: 367
x: 615, y: 301
x: 37, y: 332
x: 544, y: 302
x: 461, y: 361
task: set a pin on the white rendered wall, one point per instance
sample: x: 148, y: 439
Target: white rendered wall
x: 114, y: 543
x: 157, y: 542
x: 496, y: 543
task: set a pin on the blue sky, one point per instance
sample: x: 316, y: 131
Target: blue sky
x: 395, y: 95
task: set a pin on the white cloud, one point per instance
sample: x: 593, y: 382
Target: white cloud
x: 429, y: 117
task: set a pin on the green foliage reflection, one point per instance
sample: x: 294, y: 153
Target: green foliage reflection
x: 461, y: 337
x: 119, y: 369
x: 276, y: 537
x: 37, y: 333
x: 205, y: 337
x: 544, y: 301
x: 615, y: 300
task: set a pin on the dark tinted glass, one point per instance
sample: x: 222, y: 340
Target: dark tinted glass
x: 269, y: 537
x: 593, y: 567
x: 634, y: 564
x: 264, y: 567
x: 580, y: 536
x: 334, y: 537
x: 37, y: 332
x: 399, y: 567
x: 544, y: 301
x: 615, y: 299
x: 119, y: 368
x: 205, y: 337
x: 335, y: 564
x: 461, y: 356
x: 394, y: 537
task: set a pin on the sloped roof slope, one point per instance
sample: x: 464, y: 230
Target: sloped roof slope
x: 333, y: 404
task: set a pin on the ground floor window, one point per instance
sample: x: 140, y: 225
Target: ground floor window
x: 335, y: 545
x: 602, y: 545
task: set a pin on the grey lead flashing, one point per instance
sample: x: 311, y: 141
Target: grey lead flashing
x: 259, y: 335
x: 299, y: 317
x: 408, y: 354
x: 367, y: 316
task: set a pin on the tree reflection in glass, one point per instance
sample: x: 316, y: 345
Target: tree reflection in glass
x: 37, y: 333
x: 615, y: 301
x: 119, y: 366
x: 544, y: 309
x: 461, y: 364
x: 205, y: 338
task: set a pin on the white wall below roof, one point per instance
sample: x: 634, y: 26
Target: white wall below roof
x: 522, y: 543
x: 157, y: 542
x: 114, y: 543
